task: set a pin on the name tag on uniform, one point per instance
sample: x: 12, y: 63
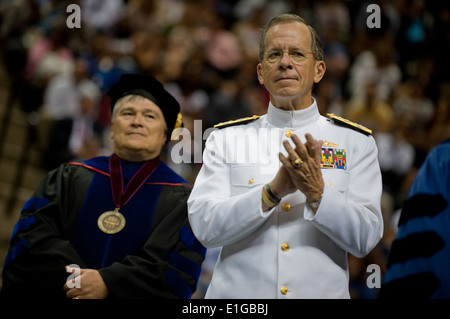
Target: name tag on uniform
x: 332, y: 156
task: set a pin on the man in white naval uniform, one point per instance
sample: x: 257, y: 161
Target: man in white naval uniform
x: 287, y: 195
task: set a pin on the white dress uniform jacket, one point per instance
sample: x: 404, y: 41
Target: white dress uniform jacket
x: 287, y: 252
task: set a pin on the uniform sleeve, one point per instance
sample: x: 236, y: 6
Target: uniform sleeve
x: 169, y: 264
x: 217, y: 217
x: 39, y: 249
x: 350, y: 214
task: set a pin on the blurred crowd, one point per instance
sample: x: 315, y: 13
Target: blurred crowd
x: 392, y: 79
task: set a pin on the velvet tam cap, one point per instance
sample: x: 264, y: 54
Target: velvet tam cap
x: 149, y: 87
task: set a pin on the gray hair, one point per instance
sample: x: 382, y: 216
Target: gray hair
x: 126, y: 98
x: 316, y: 44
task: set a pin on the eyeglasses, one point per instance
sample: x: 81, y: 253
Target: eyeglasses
x: 296, y: 56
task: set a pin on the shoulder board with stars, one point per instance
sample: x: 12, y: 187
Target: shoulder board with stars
x: 344, y: 122
x: 243, y: 120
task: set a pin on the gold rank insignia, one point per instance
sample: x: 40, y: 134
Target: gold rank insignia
x: 332, y: 156
x: 243, y: 120
x: 326, y: 143
x: 344, y: 122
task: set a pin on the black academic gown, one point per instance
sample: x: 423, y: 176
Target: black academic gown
x: 155, y: 255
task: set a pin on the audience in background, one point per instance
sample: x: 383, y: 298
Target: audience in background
x: 391, y: 78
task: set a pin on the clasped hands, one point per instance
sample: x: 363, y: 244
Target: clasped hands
x: 300, y: 169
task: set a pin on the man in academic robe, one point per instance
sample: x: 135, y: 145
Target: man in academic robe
x: 111, y: 227
x: 418, y: 261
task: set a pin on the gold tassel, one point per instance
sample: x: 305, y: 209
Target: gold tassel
x: 177, y: 129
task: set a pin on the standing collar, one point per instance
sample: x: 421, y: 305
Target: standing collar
x: 282, y: 118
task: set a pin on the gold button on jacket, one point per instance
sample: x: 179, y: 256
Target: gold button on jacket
x: 285, y: 247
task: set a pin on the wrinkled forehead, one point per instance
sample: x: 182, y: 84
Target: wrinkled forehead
x: 288, y: 35
x: 134, y: 100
